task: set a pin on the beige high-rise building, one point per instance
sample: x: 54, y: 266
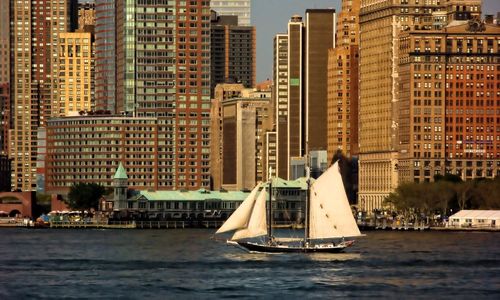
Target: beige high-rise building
x: 34, y: 74
x: 76, y: 66
x: 241, y: 118
x: 381, y: 22
x: 289, y: 100
x: 300, y: 74
x: 343, y: 83
x: 280, y: 72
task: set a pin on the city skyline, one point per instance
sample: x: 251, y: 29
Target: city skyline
x: 164, y: 56
x: 271, y: 16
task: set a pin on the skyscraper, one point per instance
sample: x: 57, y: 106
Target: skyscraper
x: 4, y: 42
x: 280, y: 72
x: 343, y: 83
x: 33, y: 78
x: 232, y: 51
x: 105, y: 55
x: 86, y: 14
x: 449, y: 102
x: 319, y: 38
x: 241, y: 119
x: 381, y: 22
x: 300, y: 74
x: 157, y: 55
x: 240, y: 8
x: 4, y: 76
x: 76, y: 72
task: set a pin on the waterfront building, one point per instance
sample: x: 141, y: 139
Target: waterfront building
x: 449, y: 102
x: 105, y: 55
x: 240, y: 8
x: 240, y: 120
x: 34, y: 77
x: 343, y: 63
x: 232, y: 52
x: 76, y: 73
x: 477, y: 219
x: 300, y: 74
x: 381, y: 22
x: 288, y: 206
x: 89, y: 148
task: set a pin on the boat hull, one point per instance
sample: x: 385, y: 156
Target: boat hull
x: 322, y: 248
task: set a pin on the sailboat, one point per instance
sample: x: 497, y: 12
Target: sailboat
x: 328, y: 217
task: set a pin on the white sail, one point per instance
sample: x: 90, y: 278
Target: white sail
x: 241, y: 216
x: 257, y: 225
x: 330, y: 213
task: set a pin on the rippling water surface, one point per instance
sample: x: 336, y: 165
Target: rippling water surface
x: 167, y: 264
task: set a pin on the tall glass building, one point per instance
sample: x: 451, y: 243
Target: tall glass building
x: 240, y: 8
x: 105, y: 52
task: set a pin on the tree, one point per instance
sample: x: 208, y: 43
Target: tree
x: 464, y: 191
x: 83, y: 196
x: 487, y: 194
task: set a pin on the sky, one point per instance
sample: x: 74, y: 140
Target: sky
x: 271, y: 17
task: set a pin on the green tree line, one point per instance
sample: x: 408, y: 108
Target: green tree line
x: 445, y: 195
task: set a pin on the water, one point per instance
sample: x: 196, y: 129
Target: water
x: 187, y: 264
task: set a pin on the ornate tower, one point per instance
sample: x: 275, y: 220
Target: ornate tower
x: 120, y: 183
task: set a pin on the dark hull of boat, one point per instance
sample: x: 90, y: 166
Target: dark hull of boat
x: 254, y: 247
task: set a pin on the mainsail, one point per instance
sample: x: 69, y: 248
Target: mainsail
x: 239, y: 219
x: 257, y: 225
x: 330, y: 213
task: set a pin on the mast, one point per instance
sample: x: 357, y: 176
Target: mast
x: 308, y: 196
x: 270, y: 223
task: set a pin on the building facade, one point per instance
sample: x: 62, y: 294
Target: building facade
x: 300, y: 74
x: 105, y: 55
x: 5, y: 118
x: 240, y: 8
x: 241, y: 119
x: 343, y: 63
x: 381, y: 22
x: 222, y: 92
x: 201, y: 205
x: 76, y: 73
x: 4, y: 42
x: 232, y: 55
x: 33, y: 77
x: 89, y: 148
x: 86, y: 14
x: 163, y: 71
x: 449, y: 102
x: 320, y: 29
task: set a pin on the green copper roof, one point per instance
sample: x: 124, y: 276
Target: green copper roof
x: 200, y: 195
x: 204, y: 195
x: 120, y: 172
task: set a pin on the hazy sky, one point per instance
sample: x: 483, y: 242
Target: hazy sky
x: 271, y: 17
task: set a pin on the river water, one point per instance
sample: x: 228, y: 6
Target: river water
x: 188, y: 264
